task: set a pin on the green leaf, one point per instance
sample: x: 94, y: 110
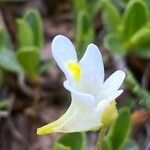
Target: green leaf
x: 143, y: 52
x: 45, y: 66
x: 33, y: 18
x: 113, y: 43
x: 80, y: 5
x: 29, y: 58
x: 84, y: 33
x: 139, y: 43
x: 3, y: 104
x: 59, y: 146
x: 140, y: 39
x: 111, y: 16
x: 2, y: 40
x: 107, y: 144
x: 134, y: 18
x: 93, y: 8
x: 133, y: 85
x: 76, y: 141
x: 5, y: 42
x: 8, y: 61
x: 120, y: 129
x: 120, y: 4
x: 147, y: 2
x: 1, y: 77
x: 25, y: 34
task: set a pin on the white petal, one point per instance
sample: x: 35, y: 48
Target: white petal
x: 83, y: 100
x: 114, y: 95
x: 112, y: 84
x: 63, y: 51
x: 92, y: 65
x: 55, y: 126
x: 74, y: 120
x: 110, y: 98
x: 82, y: 115
x: 85, y: 116
x: 82, y: 121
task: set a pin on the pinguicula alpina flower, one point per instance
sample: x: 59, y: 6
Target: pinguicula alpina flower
x: 93, y: 99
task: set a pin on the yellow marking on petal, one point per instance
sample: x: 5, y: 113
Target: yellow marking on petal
x: 55, y: 126
x: 46, y: 129
x: 109, y: 114
x: 75, y: 70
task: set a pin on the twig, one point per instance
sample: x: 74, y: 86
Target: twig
x: 16, y: 133
x: 11, y: 127
x: 26, y: 89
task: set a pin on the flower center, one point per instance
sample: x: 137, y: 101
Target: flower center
x: 74, y: 69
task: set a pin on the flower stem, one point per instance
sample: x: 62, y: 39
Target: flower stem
x: 102, y: 133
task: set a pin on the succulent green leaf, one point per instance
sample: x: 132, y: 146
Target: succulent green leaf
x: 113, y: 43
x: 93, y: 8
x: 143, y: 52
x: 5, y: 42
x: 111, y: 16
x: 80, y: 5
x: 46, y: 66
x: 1, y: 77
x: 107, y: 144
x: 121, y: 4
x: 9, y: 62
x: 120, y: 129
x: 133, y: 85
x: 134, y: 18
x: 59, y: 146
x: 140, y: 39
x: 29, y: 58
x: 147, y: 2
x: 2, y: 40
x: 33, y: 18
x: 3, y: 104
x: 25, y: 34
x: 76, y: 141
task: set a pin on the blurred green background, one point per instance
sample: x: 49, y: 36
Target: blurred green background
x: 31, y: 84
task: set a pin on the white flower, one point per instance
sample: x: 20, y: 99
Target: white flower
x: 93, y: 100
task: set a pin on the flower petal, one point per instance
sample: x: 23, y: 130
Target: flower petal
x: 110, y: 98
x: 92, y: 65
x: 82, y: 115
x: 63, y: 51
x: 55, y: 126
x: 72, y: 121
x: 112, y: 84
x: 114, y: 95
x: 83, y: 100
